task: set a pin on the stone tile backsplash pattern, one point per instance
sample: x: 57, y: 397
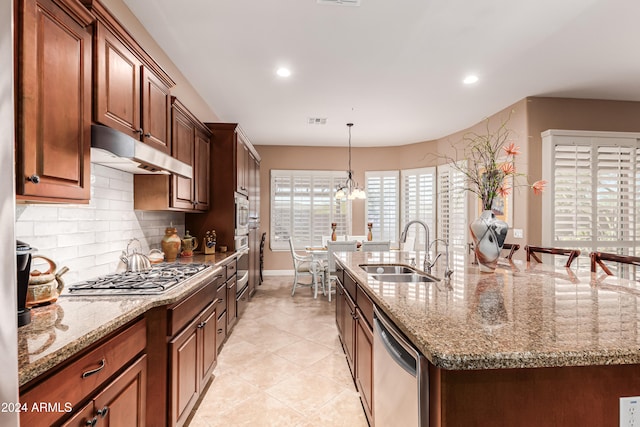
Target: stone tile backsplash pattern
x: 89, y: 239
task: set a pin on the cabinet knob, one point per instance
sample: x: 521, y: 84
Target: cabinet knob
x: 34, y: 178
x: 140, y: 131
x: 92, y: 422
x: 147, y: 135
x: 103, y: 412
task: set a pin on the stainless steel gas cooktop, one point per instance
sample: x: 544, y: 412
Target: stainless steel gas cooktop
x: 161, y: 278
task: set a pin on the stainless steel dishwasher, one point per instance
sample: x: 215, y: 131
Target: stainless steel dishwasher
x: 400, y: 378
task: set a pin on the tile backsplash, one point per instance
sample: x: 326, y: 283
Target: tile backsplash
x: 89, y: 239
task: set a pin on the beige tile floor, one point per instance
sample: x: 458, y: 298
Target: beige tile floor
x: 283, y: 365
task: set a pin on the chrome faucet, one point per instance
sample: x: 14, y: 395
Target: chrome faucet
x: 447, y: 271
x: 403, y: 238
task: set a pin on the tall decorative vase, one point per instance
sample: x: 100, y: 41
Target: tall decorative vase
x: 488, y: 235
x: 171, y: 244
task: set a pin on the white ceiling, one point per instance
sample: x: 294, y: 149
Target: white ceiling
x: 394, y: 68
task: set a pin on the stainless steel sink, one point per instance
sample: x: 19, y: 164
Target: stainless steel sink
x: 387, y: 269
x: 396, y: 273
x: 404, y: 278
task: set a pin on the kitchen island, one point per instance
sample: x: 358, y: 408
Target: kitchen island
x: 528, y: 345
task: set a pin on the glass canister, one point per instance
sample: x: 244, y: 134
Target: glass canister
x: 171, y: 243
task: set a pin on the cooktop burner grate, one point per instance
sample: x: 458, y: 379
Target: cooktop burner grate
x: 158, y: 280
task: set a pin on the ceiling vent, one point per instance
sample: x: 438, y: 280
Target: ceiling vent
x: 317, y: 120
x: 340, y: 2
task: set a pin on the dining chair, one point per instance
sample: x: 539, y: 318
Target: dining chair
x: 332, y: 247
x: 375, y: 246
x: 532, y: 250
x: 512, y: 248
x: 597, y: 258
x: 304, y: 266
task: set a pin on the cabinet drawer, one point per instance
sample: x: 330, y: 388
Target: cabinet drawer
x: 182, y: 312
x: 231, y: 269
x: 221, y: 295
x: 365, y: 305
x: 349, y: 285
x: 80, y: 378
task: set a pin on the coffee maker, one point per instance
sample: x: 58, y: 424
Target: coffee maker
x: 23, y: 259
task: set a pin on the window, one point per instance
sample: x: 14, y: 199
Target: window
x: 452, y: 208
x: 303, y: 206
x: 419, y: 202
x: 383, y: 204
x: 594, y: 191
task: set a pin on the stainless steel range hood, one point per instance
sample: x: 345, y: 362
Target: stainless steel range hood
x: 117, y: 150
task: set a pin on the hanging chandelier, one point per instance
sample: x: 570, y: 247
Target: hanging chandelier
x: 350, y: 189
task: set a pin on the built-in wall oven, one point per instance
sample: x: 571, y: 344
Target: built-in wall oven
x: 242, y: 215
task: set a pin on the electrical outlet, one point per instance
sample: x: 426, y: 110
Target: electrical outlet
x: 518, y: 233
x: 630, y: 411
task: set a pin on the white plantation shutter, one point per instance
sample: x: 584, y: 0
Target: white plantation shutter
x: 419, y: 201
x: 452, y: 208
x: 573, y: 186
x: 303, y: 206
x: 383, y: 203
x: 594, y: 196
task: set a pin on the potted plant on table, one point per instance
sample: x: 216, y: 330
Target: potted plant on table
x: 489, y: 168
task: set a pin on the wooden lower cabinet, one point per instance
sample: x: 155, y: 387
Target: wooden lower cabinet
x: 232, y: 309
x: 364, y: 364
x: 121, y: 403
x: 354, y: 320
x: 192, y: 359
x: 346, y: 321
x: 108, y: 383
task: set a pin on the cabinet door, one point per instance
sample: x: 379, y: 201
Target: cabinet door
x: 221, y: 330
x: 83, y: 417
x: 183, y: 135
x: 183, y: 350
x: 349, y: 332
x: 242, y: 166
x: 341, y: 308
x: 208, y: 329
x: 364, y: 363
x: 54, y: 104
x: 117, y: 94
x: 201, y: 170
x: 156, y: 112
x: 123, y: 401
x: 231, y: 303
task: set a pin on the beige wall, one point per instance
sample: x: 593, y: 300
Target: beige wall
x: 183, y: 89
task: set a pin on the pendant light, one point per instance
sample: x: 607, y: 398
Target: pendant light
x: 350, y: 189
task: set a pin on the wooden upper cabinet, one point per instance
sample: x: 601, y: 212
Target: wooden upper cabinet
x: 117, y: 95
x: 53, y: 98
x: 191, y: 144
x: 183, y: 135
x: 132, y: 92
x: 201, y: 168
x: 156, y: 107
x: 242, y: 166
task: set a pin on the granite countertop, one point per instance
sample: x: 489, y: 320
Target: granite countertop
x: 60, y: 330
x: 522, y: 316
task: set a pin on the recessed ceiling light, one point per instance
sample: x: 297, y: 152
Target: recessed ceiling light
x: 470, y: 79
x: 283, y: 72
